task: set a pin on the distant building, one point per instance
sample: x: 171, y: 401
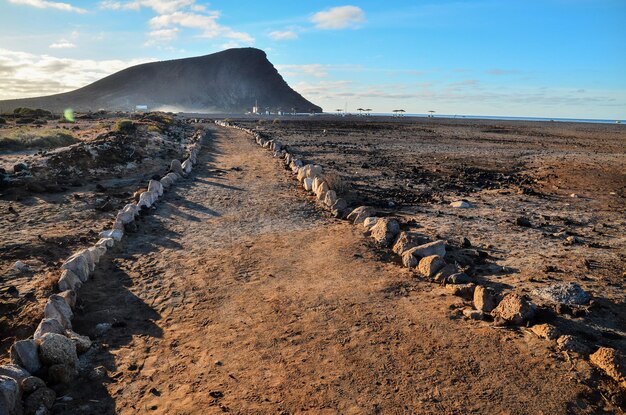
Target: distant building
x: 141, y: 108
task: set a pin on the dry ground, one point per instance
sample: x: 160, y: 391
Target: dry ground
x: 238, y: 295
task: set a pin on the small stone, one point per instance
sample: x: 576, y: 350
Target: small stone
x: 48, y: 325
x: 385, y: 230
x: 465, y: 291
x: 612, y: 362
x: 102, y: 328
x: 458, y: 278
x: 330, y: 198
x: 409, y: 260
x: 444, y: 273
x: 31, y: 384
x: 99, y: 372
x: 465, y: 243
x: 523, y: 221
x: 82, y: 343
x: 340, y: 205
x: 515, y: 309
x: 484, y: 299
x: 20, y: 266
x: 20, y: 167
x: 359, y: 214
x: 568, y: 343
x: 545, y: 331
x: 41, y: 398
x: 10, y: 402
x: 473, y: 314
x: 428, y: 266
x: 25, y: 353
x: 57, y: 349
x: 461, y: 204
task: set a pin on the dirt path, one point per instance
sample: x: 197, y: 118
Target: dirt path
x: 237, y: 295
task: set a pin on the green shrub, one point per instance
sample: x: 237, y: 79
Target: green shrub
x: 27, y: 137
x: 124, y: 126
x: 2, y: 121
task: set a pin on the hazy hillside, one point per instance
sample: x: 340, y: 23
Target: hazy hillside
x: 228, y: 81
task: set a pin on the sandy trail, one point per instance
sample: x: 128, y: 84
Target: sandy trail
x: 238, y: 295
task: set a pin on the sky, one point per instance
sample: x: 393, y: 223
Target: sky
x: 544, y: 58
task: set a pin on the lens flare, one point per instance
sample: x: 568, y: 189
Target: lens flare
x: 68, y: 114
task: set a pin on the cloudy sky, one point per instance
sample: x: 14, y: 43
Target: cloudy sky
x: 547, y: 58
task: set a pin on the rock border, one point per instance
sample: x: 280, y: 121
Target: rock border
x: 55, y: 347
x: 427, y: 258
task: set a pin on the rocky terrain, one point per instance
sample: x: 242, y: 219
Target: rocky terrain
x: 482, y: 273
x: 233, y: 80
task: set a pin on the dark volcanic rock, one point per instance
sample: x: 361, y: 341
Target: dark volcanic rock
x: 229, y: 81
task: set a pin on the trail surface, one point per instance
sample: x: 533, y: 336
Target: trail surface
x: 238, y: 295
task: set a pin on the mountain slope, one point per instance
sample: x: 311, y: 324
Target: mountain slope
x: 228, y: 81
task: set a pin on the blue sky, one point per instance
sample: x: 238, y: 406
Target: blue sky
x: 550, y: 58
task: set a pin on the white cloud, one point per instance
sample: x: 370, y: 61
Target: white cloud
x: 283, y: 35
x: 314, y: 69
x: 44, y: 4
x: 172, y: 15
x: 27, y: 75
x: 62, y: 44
x: 339, y: 18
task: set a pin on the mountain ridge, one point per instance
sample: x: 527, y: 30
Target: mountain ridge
x: 230, y: 81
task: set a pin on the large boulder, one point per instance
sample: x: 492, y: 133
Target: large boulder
x: 57, y: 308
x: 25, y: 353
x: 428, y: 266
x: 612, y: 362
x: 514, y: 309
x: 385, y: 230
x: 359, y: 214
x: 59, y: 354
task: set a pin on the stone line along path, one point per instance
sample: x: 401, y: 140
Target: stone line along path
x: 238, y: 294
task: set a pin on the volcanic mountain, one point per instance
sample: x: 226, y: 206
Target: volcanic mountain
x: 231, y: 81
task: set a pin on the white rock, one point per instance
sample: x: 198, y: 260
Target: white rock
x: 69, y: 281
x: 369, y: 222
x: 359, y: 214
x: 146, y: 199
x: 124, y: 217
x: 301, y: 173
x: 20, y: 266
x: 321, y: 190
x: 48, y: 325
x: 69, y: 296
x: 166, y: 182
x: 462, y: 204
x: 58, y: 309
x: 156, y: 187
x: 308, y: 184
x: 316, y: 183
x: 176, y: 167
x: 106, y: 242
x: 187, y: 166
x: 173, y: 176
x: 79, y: 265
x: 115, y: 234
x: 433, y: 248
x: 385, y: 230
x: 330, y: 198
x: 132, y: 209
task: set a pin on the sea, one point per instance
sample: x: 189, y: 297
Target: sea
x: 487, y: 117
